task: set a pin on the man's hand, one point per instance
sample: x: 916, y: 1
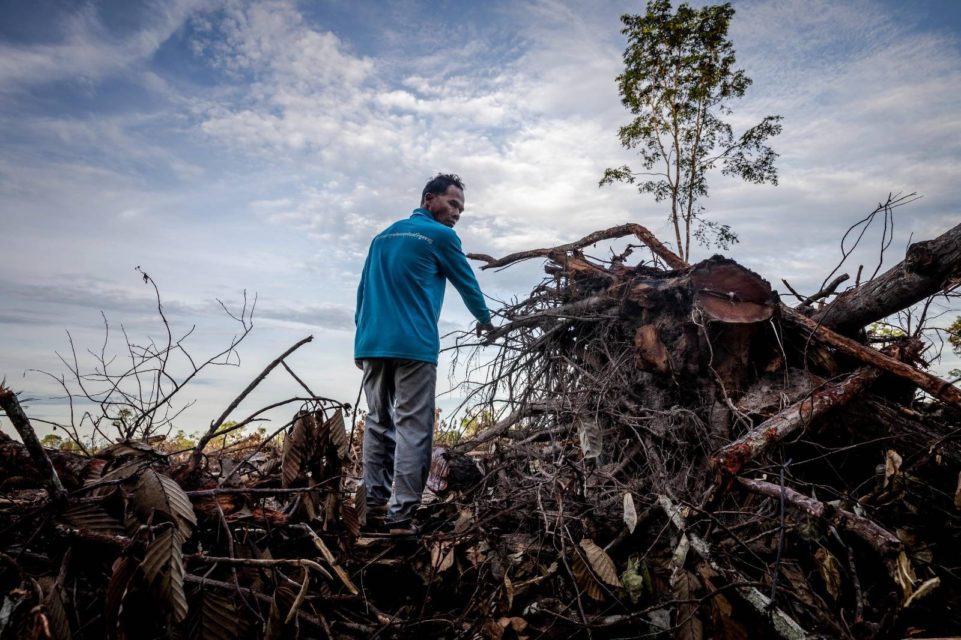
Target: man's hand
x: 483, y: 329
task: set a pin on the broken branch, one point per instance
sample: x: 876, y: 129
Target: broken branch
x: 11, y: 406
x: 672, y: 259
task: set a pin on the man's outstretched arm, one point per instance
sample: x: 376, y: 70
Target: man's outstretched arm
x: 456, y: 269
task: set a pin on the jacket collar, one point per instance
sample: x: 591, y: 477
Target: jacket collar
x: 422, y: 212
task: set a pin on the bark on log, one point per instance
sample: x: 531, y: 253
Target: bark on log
x: 673, y: 260
x: 880, y: 539
x: 938, y: 388
x: 927, y: 268
x: 732, y: 457
x: 11, y: 406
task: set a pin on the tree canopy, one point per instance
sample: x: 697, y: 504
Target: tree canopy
x: 678, y: 80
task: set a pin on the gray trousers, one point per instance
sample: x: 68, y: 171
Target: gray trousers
x: 398, y: 433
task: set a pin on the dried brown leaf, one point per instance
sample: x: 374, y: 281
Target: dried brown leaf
x: 337, y: 432
x: 439, y: 470
x: 600, y: 562
x: 442, y: 556
x: 296, y: 445
x: 213, y: 616
x: 155, y: 493
x: 465, y: 518
x: 516, y: 623
x: 163, y: 568
x: 722, y: 611
x: 284, y: 596
x: 630, y: 512
x: 320, y: 430
x: 331, y: 506
x: 360, y: 503
x: 106, y: 483
x: 508, y: 592
x: 830, y: 571
x: 55, y: 609
x: 491, y: 630
x: 904, y: 575
x: 93, y: 471
x: 591, y: 437
x: 892, y: 466
x: 92, y: 517
x: 688, y: 626
x: 585, y: 580
x: 124, y: 569
x: 129, y: 448
x: 349, y: 518
x: 478, y: 554
x: 802, y: 588
x: 926, y: 587
x: 957, y: 494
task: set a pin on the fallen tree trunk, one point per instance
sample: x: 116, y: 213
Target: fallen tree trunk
x: 928, y: 268
x: 734, y: 456
x: 938, y: 388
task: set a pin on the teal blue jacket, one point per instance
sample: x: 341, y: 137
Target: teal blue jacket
x: 402, y: 289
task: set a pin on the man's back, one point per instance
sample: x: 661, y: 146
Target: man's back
x: 402, y: 289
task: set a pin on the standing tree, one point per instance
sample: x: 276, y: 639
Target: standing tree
x: 678, y: 79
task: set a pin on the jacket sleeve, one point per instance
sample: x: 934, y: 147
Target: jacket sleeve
x: 455, y: 267
x: 360, y: 289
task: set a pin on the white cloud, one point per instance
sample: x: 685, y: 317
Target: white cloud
x: 89, y: 51
x: 295, y: 143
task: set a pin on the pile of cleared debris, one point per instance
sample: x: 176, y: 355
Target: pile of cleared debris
x: 658, y: 449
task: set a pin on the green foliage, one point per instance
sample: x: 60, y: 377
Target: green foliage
x: 954, y: 339
x: 447, y: 436
x: 180, y: 441
x: 882, y: 330
x: 221, y: 442
x: 51, y: 441
x: 954, y: 335
x: 678, y: 79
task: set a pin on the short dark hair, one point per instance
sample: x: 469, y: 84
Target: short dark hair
x: 439, y: 184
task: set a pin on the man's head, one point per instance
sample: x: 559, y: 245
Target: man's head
x: 443, y: 196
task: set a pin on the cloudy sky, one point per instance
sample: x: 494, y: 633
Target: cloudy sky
x: 226, y: 146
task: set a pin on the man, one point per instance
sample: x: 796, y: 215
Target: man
x: 397, y: 342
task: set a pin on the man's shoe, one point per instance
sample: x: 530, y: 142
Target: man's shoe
x: 402, y: 528
x: 376, y: 521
